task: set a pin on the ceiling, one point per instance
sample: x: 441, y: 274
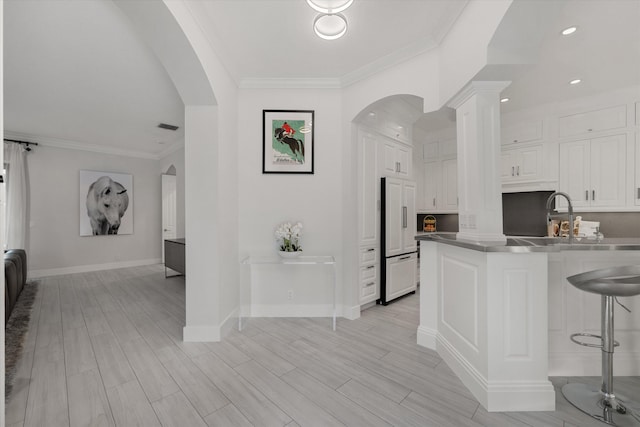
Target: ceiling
x: 77, y: 74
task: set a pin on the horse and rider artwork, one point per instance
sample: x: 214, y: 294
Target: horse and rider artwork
x: 106, y: 201
x: 288, y: 141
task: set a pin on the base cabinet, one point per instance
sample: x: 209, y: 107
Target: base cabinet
x: 401, y: 275
x: 368, y: 274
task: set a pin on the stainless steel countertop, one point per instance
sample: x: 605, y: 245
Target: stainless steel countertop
x: 526, y: 244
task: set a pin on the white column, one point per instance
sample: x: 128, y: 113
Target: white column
x: 479, y: 187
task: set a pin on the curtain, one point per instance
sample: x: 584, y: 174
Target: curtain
x: 16, y: 193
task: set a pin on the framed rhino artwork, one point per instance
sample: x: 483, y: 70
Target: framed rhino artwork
x: 287, y: 141
x: 106, y: 203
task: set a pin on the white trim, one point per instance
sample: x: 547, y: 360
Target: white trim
x: 34, y: 274
x: 427, y: 337
x: 352, y: 313
x: 289, y: 83
x: 84, y: 146
x: 229, y: 324
x: 290, y: 310
x: 498, y: 396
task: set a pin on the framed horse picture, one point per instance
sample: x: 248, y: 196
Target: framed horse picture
x: 287, y: 141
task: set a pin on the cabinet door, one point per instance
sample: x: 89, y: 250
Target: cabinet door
x: 608, y: 171
x: 575, y: 163
x: 403, y: 157
x: 390, y: 163
x: 449, y: 185
x: 393, y: 216
x: 430, y: 186
x: 401, y: 276
x: 369, y: 225
x: 410, y: 221
x: 529, y: 163
x: 508, y: 165
x: 369, y: 288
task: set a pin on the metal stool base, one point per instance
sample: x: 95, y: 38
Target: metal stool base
x: 590, y: 400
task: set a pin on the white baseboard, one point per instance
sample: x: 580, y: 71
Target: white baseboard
x: 351, y: 313
x: 201, y: 333
x: 427, y: 337
x: 291, y: 310
x: 498, y: 396
x: 36, y: 274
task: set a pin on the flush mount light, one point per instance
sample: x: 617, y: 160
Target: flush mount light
x: 575, y: 82
x: 329, y: 6
x: 569, y: 30
x: 330, y: 27
x: 503, y: 100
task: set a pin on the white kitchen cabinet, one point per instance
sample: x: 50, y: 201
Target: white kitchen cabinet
x: 450, y: 185
x: 593, y: 172
x: 400, y: 218
x: 521, y: 132
x: 440, y: 187
x: 369, y: 194
x: 397, y: 159
x: 593, y: 121
x: 401, y: 275
x: 368, y: 274
x: 522, y: 164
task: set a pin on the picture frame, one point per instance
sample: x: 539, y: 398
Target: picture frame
x: 288, y: 141
x: 106, y: 203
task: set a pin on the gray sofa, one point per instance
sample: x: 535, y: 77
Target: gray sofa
x: 15, y: 277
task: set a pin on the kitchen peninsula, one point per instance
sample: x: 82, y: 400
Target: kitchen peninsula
x: 500, y: 313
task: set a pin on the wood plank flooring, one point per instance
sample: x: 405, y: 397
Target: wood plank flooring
x: 105, y: 349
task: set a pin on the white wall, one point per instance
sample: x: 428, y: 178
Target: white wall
x: 55, y: 245
x: 266, y: 200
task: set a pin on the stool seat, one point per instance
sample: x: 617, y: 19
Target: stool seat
x: 616, y: 281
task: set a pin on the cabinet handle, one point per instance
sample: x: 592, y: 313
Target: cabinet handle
x: 586, y: 194
x: 434, y: 199
x: 518, y: 171
x: 369, y: 284
x: 593, y: 194
x: 404, y: 257
x: 638, y: 192
x: 371, y: 249
x: 370, y: 267
x: 404, y: 217
x: 513, y: 168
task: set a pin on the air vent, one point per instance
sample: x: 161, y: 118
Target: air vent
x: 166, y: 126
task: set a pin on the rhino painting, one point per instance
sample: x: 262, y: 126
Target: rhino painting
x: 106, y: 201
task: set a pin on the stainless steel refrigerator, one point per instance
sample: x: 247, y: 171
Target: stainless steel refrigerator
x: 399, y: 256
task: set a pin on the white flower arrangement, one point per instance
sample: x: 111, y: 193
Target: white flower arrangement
x: 288, y: 236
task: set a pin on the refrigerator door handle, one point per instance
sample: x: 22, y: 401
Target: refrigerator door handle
x: 404, y: 217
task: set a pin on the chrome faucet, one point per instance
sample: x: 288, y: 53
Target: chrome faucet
x: 566, y: 196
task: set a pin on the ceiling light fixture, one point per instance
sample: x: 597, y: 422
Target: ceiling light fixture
x: 569, y: 30
x: 329, y: 6
x: 503, y: 100
x: 330, y: 27
x: 575, y: 82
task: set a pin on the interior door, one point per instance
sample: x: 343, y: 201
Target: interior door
x: 168, y: 209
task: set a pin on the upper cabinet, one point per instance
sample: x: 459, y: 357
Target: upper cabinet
x: 397, y: 159
x: 593, y: 172
x: 528, y: 131
x: 522, y: 164
x: 593, y: 121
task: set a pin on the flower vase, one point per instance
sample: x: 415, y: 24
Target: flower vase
x: 285, y: 254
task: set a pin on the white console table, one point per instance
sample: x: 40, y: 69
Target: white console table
x: 301, y: 260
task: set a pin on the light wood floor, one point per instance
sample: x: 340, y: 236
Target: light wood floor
x: 105, y: 348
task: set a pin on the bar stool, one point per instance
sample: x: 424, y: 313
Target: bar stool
x: 603, y: 404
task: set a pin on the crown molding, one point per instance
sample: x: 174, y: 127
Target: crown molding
x: 81, y: 146
x: 290, y: 83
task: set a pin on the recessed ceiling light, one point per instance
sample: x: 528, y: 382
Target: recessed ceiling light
x: 569, y: 30
x: 503, y: 100
x: 329, y: 6
x: 330, y: 27
x: 575, y: 82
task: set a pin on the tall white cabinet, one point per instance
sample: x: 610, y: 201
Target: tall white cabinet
x: 378, y: 155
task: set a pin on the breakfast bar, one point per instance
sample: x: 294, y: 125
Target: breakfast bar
x: 501, y: 313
